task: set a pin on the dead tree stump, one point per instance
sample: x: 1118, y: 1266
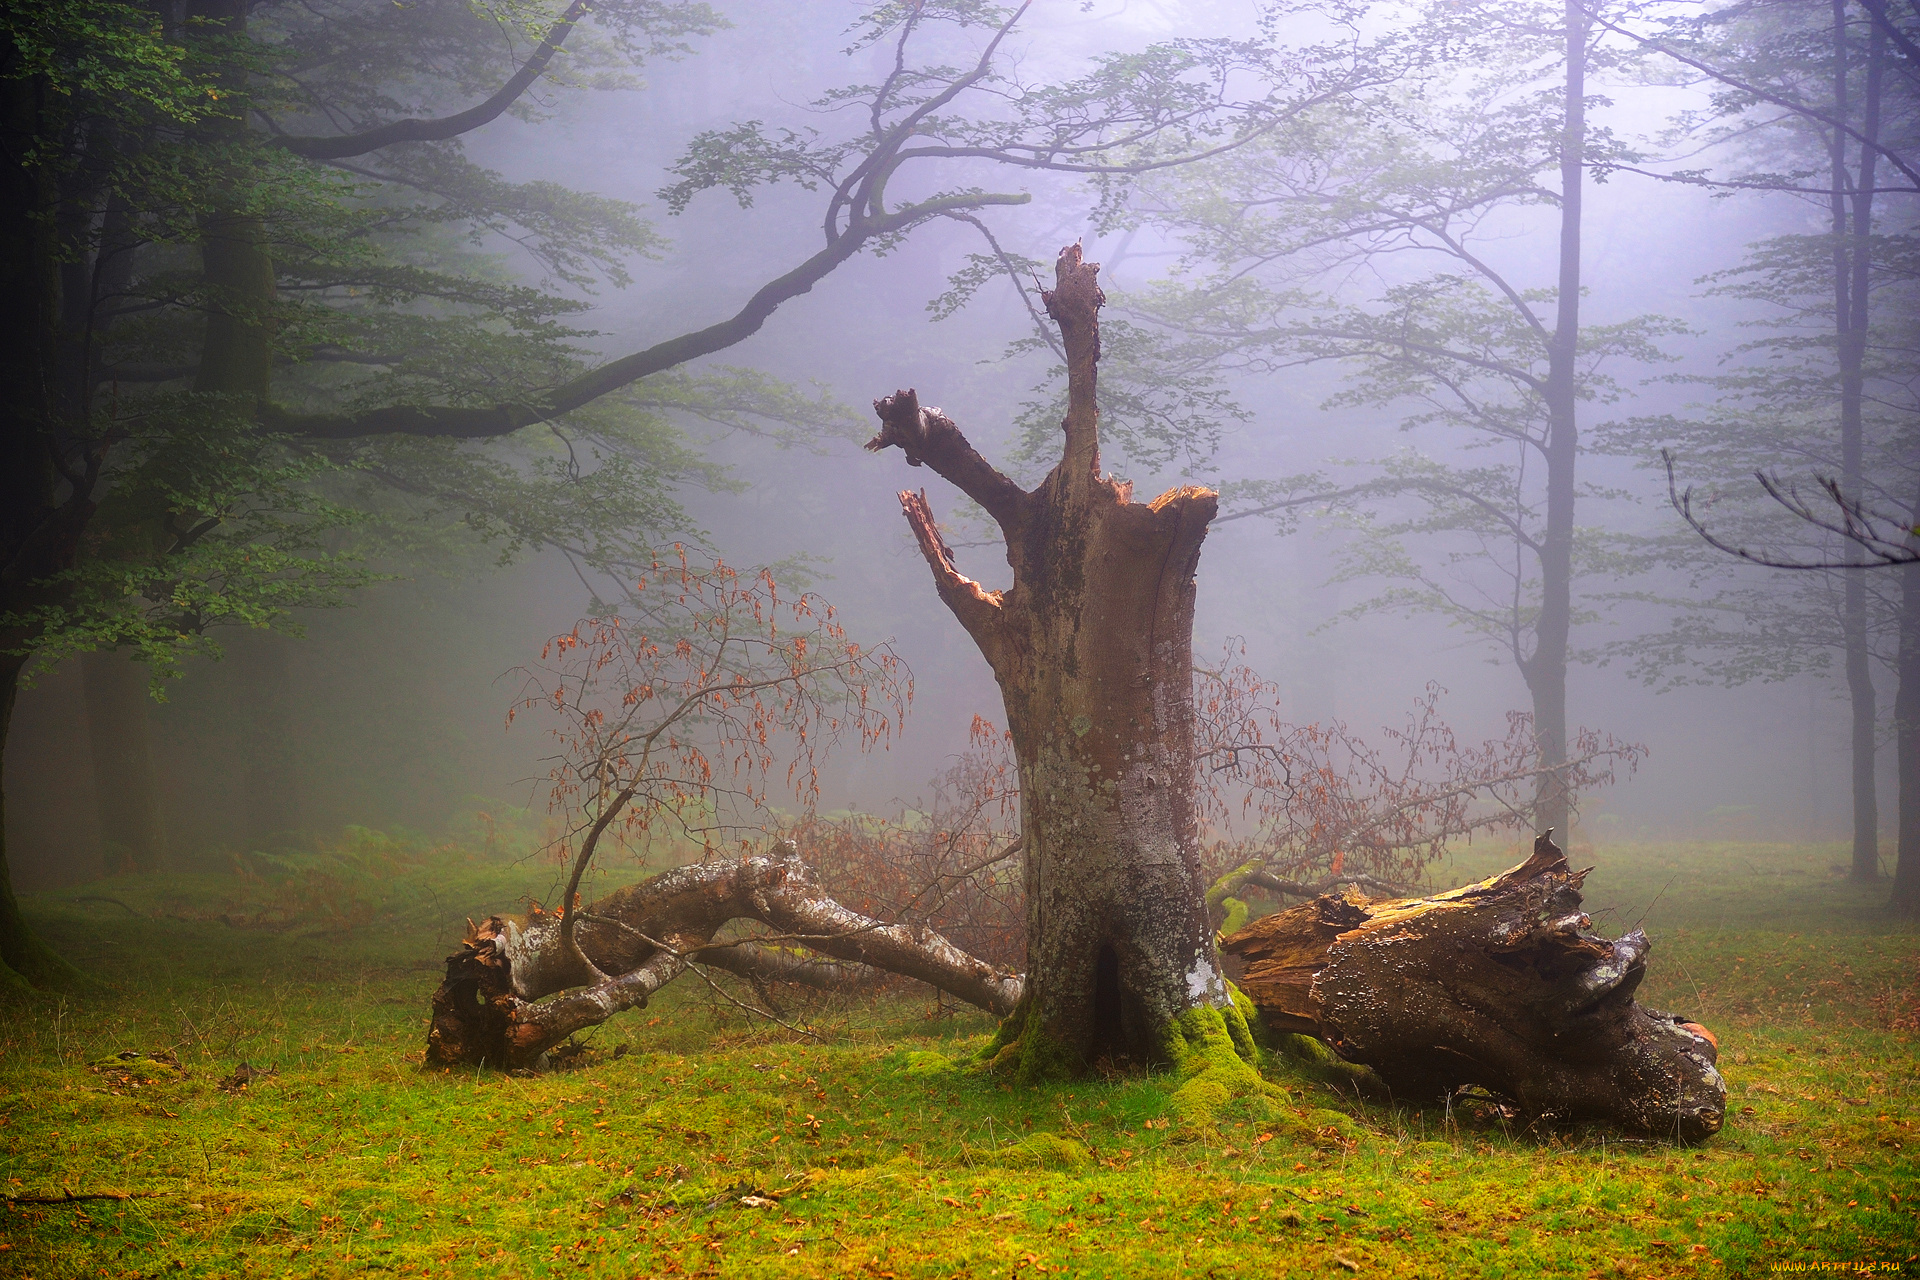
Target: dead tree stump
x: 1500, y: 985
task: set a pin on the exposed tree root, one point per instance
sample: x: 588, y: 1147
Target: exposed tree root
x: 1499, y: 985
x: 500, y: 1001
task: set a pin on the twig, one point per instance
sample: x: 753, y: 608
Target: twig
x: 94, y: 897
x: 74, y: 1197
x: 1855, y: 524
x: 728, y: 996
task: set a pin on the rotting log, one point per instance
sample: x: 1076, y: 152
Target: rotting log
x: 510, y: 995
x: 1500, y: 985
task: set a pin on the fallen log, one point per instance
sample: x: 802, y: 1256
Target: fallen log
x: 1500, y: 985
x: 509, y: 992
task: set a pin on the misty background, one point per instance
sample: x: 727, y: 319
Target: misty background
x: 391, y: 712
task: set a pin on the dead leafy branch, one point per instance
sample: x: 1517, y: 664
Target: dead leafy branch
x: 949, y: 862
x: 679, y: 728
x: 1298, y: 809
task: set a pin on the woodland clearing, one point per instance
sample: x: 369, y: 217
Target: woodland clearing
x: 685, y: 1141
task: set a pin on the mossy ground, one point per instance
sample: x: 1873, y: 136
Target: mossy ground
x: 716, y: 1149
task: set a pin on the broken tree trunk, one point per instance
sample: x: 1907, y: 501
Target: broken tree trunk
x: 1092, y: 647
x: 492, y: 1008
x: 1500, y: 985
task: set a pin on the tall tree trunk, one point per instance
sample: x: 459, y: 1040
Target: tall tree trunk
x: 236, y: 357
x: 24, y: 957
x: 1546, y: 668
x: 1906, y: 725
x: 236, y: 360
x: 1850, y: 315
x: 126, y: 796
x: 1092, y: 648
x: 39, y: 527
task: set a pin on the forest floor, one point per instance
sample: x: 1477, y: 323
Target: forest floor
x: 685, y: 1142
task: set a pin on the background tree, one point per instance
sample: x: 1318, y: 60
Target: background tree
x: 1817, y: 107
x: 1498, y: 128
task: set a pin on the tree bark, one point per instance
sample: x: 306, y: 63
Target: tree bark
x: 132, y: 834
x: 39, y: 526
x: 1092, y: 649
x: 1851, y: 278
x: 490, y: 1009
x: 25, y: 960
x: 1499, y: 985
x: 1545, y: 669
x: 236, y: 355
x: 1906, y: 728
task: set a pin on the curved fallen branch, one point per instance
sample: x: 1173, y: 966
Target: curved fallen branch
x: 515, y: 989
x: 76, y: 1197
x: 1500, y: 985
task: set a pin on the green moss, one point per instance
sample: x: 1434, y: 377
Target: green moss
x: 353, y: 1161
x: 1245, y: 1025
x: 131, y: 1066
x: 1308, y: 1057
x: 925, y: 1062
x: 1044, y: 1059
x: 1236, y: 916
x: 1021, y: 1049
x: 1007, y: 1033
x: 1043, y: 1151
x: 1221, y: 891
x: 1213, y: 1052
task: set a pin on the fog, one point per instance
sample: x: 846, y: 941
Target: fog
x: 395, y: 705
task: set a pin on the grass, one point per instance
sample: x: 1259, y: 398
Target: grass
x: 685, y: 1142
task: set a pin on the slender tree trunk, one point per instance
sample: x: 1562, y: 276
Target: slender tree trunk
x: 24, y: 957
x: 133, y: 836
x: 1866, y: 843
x: 39, y: 529
x: 1906, y: 726
x: 1850, y: 314
x: 236, y: 360
x: 236, y: 357
x: 1092, y: 648
x: 1546, y: 668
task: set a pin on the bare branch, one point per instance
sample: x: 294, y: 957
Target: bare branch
x: 929, y: 438
x: 399, y: 131
x: 978, y: 609
x: 1854, y: 523
x: 1074, y: 303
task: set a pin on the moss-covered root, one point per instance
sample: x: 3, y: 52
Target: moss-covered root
x: 1214, y: 1051
x: 1021, y: 1049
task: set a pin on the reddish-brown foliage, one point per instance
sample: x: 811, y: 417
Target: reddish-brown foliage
x: 951, y: 862
x: 673, y: 731
x: 1313, y: 801
x: 676, y: 731
x: 1307, y: 803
